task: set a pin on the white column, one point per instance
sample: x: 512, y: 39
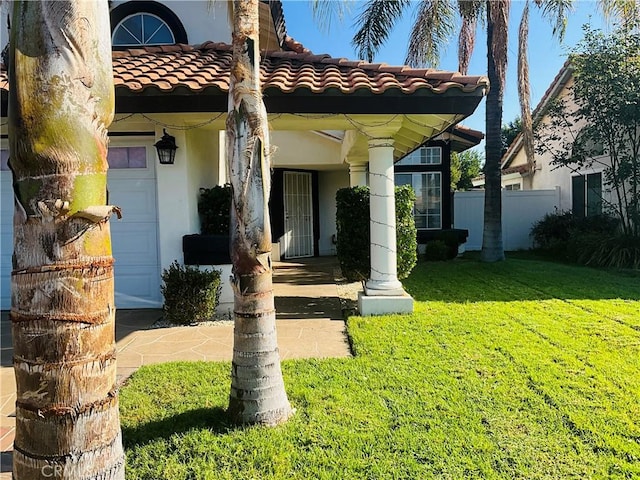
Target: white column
x: 384, y: 273
x: 358, y: 174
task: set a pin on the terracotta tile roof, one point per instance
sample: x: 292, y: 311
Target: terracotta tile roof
x: 522, y: 169
x: 197, y: 68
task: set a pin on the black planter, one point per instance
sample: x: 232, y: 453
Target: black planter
x: 206, y: 249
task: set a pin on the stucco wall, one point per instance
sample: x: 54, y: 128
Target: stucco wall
x: 329, y: 184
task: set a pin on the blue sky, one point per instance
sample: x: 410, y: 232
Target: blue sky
x: 546, y: 54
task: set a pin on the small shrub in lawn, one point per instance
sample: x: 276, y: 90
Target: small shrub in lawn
x: 190, y: 295
x: 437, y: 251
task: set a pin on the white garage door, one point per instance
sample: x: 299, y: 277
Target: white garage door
x: 132, y: 187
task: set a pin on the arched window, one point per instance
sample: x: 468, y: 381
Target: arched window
x: 140, y: 23
x: 142, y: 29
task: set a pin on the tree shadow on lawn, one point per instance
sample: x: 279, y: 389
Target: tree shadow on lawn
x: 213, y: 419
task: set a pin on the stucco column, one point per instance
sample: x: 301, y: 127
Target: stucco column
x: 384, y: 273
x: 357, y: 174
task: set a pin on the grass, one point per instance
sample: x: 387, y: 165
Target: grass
x: 523, y: 369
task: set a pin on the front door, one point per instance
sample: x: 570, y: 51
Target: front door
x: 298, y: 215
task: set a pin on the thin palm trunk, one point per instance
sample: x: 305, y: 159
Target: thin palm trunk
x: 257, y: 388
x: 497, y: 23
x: 62, y: 301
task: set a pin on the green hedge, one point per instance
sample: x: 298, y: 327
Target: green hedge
x: 353, y: 235
x: 190, y: 295
x: 214, y: 207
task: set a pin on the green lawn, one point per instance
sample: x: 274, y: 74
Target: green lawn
x: 524, y: 369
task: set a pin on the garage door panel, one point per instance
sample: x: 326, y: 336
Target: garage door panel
x: 136, y: 198
x: 135, y: 289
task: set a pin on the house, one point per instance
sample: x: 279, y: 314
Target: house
x: 581, y: 189
x: 335, y: 123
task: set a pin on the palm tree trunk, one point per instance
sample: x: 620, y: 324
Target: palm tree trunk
x: 497, y: 27
x: 62, y: 300
x: 257, y: 388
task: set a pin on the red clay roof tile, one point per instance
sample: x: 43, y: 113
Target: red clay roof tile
x: 207, y: 65
x: 197, y: 68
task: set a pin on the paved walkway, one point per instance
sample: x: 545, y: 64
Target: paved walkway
x: 309, y: 324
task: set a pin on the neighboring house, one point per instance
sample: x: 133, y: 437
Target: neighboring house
x: 581, y: 190
x: 334, y: 123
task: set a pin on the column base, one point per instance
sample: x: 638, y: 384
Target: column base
x: 369, y: 305
x: 385, y: 289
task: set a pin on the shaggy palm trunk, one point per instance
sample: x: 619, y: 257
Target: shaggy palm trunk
x: 62, y: 299
x: 497, y: 24
x: 257, y: 388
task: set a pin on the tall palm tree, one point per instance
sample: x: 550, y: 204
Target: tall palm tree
x: 257, y: 388
x: 61, y: 102
x: 435, y: 21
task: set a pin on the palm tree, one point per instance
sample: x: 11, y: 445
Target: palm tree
x: 61, y: 102
x: 257, y: 388
x: 434, y: 23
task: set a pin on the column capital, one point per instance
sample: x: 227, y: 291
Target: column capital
x: 381, y: 142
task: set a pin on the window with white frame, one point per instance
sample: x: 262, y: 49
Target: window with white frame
x: 127, y: 157
x: 512, y: 186
x: 142, y: 29
x: 423, y: 156
x: 427, y: 210
x: 586, y: 194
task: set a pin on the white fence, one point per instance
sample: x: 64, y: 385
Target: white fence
x: 520, y: 210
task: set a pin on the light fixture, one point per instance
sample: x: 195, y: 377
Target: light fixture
x: 166, y: 147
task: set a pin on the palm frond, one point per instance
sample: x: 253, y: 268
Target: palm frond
x: 433, y: 27
x: 498, y: 18
x: 325, y: 11
x: 557, y: 12
x: 524, y: 91
x: 627, y: 11
x: 374, y: 24
x: 470, y: 11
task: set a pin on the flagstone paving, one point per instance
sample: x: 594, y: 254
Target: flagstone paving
x: 309, y: 323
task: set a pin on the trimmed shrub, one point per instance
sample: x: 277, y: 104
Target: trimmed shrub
x: 353, y: 235
x: 214, y: 207
x: 553, y: 231
x: 437, y: 251
x: 406, y: 234
x: 190, y: 295
x: 452, y: 239
x: 559, y: 233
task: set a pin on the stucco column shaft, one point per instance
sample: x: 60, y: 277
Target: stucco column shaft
x: 384, y: 273
x: 358, y: 174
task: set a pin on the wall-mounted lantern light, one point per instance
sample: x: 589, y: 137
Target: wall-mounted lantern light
x: 166, y: 147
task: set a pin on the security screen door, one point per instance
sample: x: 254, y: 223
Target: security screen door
x: 298, y: 215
